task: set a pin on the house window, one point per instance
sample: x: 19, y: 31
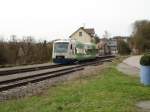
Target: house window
x: 80, y: 34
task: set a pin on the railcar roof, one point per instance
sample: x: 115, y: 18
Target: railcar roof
x: 62, y: 40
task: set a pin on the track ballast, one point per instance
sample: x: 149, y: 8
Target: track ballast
x: 21, y: 77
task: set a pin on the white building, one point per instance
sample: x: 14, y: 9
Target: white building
x: 85, y: 35
x: 108, y: 46
x: 112, y: 43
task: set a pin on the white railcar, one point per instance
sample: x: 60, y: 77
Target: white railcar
x: 70, y: 51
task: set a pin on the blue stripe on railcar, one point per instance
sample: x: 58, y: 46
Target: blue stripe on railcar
x: 63, y: 61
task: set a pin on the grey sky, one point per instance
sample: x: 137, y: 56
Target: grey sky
x: 51, y: 19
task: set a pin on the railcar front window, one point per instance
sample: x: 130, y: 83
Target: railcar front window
x: 61, y: 47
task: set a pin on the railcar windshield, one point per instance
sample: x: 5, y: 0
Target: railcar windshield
x: 61, y: 47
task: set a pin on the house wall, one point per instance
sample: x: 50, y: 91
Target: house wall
x: 86, y: 38
x: 113, y: 46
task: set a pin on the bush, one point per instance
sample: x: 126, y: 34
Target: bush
x: 123, y: 48
x: 3, y: 56
x: 145, y: 60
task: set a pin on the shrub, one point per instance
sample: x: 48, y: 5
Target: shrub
x: 123, y: 48
x: 3, y: 55
x: 145, y: 60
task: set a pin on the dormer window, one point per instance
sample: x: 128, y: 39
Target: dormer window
x: 80, y: 34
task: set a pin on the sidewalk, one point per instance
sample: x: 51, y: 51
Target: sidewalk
x: 130, y: 66
x: 127, y: 69
x: 133, y: 61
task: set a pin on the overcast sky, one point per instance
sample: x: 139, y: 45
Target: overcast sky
x: 51, y: 19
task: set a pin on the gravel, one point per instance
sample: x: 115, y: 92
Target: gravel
x: 143, y: 106
x: 39, y: 87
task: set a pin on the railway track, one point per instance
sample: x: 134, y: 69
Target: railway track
x: 31, y: 75
x: 14, y: 70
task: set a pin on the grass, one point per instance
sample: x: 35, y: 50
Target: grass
x: 107, y: 91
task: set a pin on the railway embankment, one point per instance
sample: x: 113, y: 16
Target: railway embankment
x: 18, y: 83
x: 97, y: 88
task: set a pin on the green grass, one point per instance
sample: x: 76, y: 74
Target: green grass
x: 108, y: 91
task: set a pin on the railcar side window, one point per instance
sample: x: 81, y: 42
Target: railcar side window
x: 75, y: 50
x: 71, y: 46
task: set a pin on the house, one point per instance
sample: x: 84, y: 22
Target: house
x: 103, y: 48
x: 107, y: 46
x: 124, y: 38
x: 112, y: 43
x: 86, y: 35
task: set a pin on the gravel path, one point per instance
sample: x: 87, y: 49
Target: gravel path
x: 130, y: 66
x: 129, y: 70
x: 143, y: 106
x: 133, y: 61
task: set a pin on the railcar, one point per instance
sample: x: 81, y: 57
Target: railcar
x: 70, y: 51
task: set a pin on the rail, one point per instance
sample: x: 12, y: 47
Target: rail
x: 36, y: 75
